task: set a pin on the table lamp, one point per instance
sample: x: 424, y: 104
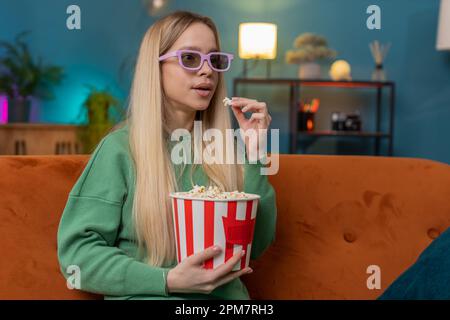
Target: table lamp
x: 257, y: 40
x: 443, y: 38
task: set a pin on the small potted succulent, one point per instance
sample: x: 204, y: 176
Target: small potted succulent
x: 99, y: 106
x: 310, y: 50
x: 22, y: 78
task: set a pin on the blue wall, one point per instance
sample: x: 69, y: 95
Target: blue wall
x: 102, y: 54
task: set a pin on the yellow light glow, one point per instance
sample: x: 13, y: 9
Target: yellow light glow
x: 257, y: 40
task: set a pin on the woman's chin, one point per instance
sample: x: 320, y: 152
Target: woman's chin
x: 200, y: 105
x: 201, y: 102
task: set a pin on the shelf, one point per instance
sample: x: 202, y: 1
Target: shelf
x: 38, y: 126
x: 332, y: 133
x: 295, y: 91
x: 39, y: 139
x: 319, y: 83
x: 345, y: 84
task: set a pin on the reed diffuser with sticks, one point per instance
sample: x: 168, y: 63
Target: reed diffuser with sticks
x: 379, y: 53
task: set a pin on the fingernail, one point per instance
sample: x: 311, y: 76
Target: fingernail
x: 215, y: 248
x: 250, y: 271
x: 244, y: 109
x: 243, y: 253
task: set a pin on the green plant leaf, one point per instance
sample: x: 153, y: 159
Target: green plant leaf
x: 31, y: 76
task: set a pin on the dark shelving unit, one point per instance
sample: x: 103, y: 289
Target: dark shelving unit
x: 294, y: 98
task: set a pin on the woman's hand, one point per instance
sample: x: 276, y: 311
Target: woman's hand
x: 190, y: 276
x: 260, y: 119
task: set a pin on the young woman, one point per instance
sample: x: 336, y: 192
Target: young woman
x: 117, y: 226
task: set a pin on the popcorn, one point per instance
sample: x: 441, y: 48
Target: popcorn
x: 213, y: 193
x: 227, y: 102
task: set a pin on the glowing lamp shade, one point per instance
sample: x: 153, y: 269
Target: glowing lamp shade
x: 443, y: 38
x: 257, y: 40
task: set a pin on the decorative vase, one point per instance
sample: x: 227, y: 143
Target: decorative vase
x: 379, y: 74
x: 309, y: 70
x: 19, y: 110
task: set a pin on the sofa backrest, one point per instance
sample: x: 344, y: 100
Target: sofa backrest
x: 33, y: 193
x: 342, y: 217
x: 337, y: 216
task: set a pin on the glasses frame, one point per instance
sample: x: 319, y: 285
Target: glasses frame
x: 203, y: 57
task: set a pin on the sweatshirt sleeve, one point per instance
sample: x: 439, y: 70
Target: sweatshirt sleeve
x: 89, y: 227
x: 266, y: 214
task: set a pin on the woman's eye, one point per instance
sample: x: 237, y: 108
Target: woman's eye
x: 188, y: 57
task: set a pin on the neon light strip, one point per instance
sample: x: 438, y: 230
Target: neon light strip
x: 3, y: 109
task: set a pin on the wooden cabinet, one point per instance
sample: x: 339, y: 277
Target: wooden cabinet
x: 39, y: 139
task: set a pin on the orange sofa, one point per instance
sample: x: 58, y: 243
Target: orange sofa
x: 337, y: 215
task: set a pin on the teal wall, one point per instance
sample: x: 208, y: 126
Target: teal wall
x: 102, y: 54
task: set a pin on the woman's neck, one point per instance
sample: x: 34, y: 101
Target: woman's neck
x: 181, y: 119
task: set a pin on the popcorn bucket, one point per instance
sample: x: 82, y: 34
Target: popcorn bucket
x: 200, y: 223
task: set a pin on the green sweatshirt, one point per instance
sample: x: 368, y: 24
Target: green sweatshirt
x: 95, y: 232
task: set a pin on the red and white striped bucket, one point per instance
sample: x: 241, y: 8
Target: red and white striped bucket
x: 201, y: 223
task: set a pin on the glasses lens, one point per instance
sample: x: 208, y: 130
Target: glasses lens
x: 220, y: 61
x: 190, y: 59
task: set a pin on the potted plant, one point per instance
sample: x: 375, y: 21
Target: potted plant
x: 22, y: 78
x: 310, y: 51
x: 99, y: 106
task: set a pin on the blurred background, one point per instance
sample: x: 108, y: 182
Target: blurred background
x: 339, y: 76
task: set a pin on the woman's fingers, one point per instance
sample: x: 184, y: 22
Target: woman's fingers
x: 259, y: 107
x: 257, y: 116
x: 247, y: 105
x: 206, y: 254
x: 232, y: 276
x: 226, y: 268
x: 241, y: 105
x: 256, y: 107
x: 238, y: 113
x: 223, y: 273
x: 243, y: 100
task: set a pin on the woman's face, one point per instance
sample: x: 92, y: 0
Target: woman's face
x: 178, y: 83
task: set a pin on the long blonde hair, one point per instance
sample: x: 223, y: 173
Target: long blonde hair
x: 148, y: 131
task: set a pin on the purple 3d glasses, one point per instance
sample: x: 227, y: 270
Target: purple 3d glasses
x: 193, y: 60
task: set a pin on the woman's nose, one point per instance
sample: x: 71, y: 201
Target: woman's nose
x: 205, y: 69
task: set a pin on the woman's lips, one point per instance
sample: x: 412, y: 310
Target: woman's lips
x: 203, y: 93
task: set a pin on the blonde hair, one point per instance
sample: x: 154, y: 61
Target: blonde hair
x: 148, y: 131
